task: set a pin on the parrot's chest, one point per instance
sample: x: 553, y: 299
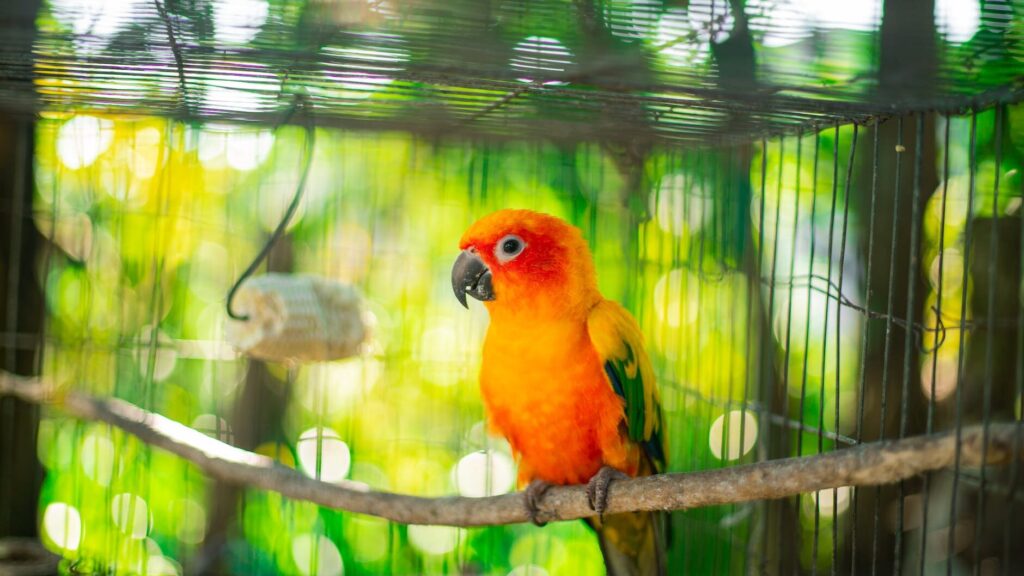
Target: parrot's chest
x: 546, y: 392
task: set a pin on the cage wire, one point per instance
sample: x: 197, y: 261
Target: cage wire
x: 818, y: 259
x: 614, y: 70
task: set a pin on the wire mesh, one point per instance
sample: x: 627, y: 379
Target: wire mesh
x: 805, y: 283
x: 786, y: 313
x: 589, y: 70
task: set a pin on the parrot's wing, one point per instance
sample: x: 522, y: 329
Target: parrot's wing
x: 619, y: 343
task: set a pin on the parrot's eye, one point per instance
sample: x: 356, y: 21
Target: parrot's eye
x: 508, y: 248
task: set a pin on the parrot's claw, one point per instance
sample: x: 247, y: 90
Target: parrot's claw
x: 597, y: 488
x: 534, y: 492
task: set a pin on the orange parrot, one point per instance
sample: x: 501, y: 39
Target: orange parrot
x: 565, y: 377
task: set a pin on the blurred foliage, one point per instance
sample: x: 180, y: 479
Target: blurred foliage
x: 152, y: 220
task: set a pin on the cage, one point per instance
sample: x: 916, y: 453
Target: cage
x: 812, y: 209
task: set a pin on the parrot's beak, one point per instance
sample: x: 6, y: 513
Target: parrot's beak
x: 471, y: 276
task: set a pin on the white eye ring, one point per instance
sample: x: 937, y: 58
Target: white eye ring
x: 508, y: 248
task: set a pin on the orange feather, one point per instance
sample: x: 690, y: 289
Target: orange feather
x: 545, y: 377
x: 546, y: 391
x: 542, y: 381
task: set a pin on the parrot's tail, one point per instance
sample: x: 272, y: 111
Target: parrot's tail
x: 634, y: 543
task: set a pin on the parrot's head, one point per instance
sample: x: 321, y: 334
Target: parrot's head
x: 523, y: 261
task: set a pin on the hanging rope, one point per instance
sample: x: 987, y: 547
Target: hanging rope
x: 300, y: 104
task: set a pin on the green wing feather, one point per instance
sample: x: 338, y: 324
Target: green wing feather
x: 619, y: 343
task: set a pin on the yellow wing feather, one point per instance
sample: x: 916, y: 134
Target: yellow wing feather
x: 619, y: 343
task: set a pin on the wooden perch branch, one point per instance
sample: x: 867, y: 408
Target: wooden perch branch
x: 865, y: 465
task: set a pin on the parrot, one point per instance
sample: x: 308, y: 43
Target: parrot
x: 564, y: 376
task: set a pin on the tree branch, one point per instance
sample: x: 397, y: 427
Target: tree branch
x: 865, y: 465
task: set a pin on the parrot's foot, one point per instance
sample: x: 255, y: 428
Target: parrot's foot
x: 534, y: 492
x: 597, y: 488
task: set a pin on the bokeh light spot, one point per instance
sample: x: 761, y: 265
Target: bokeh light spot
x: 145, y: 153
x: 249, y: 148
x: 329, y: 387
x: 82, y: 139
x: 958, y: 20
x: 540, y: 54
x: 945, y: 379
x: 779, y: 22
x: 734, y: 448
x: 98, y: 457
x: 131, y: 515
x: 156, y: 356
x: 335, y: 457
x: 675, y: 298
x: 830, y: 502
x: 307, y: 548
x: 531, y: 546
x: 676, y: 42
x: 711, y: 20
x: 437, y: 364
x: 159, y: 565
x: 63, y: 525
x: 240, y: 148
x: 434, y: 540
x: 484, y: 474
x: 238, y: 21
x: 849, y: 14
x: 680, y: 205
x: 96, y: 17
x: 213, y: 426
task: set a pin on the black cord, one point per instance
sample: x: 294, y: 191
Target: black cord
x: 300, y: 102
